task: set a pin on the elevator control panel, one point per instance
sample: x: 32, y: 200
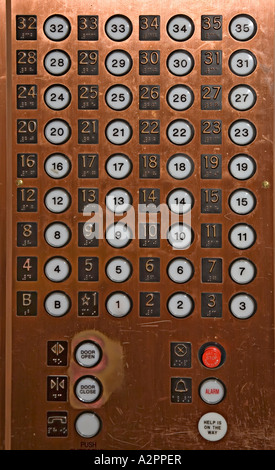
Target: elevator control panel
x: 137, y: 213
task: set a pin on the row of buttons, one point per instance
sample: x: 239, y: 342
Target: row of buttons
x: 119, y: 166
x: 119, y: 62
x: 119, y: 28
x: 120, y: 97
x: 179, y: 304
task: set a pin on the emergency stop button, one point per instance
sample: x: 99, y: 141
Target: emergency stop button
x: 212, y: 355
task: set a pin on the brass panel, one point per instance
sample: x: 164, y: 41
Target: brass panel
x: 138, y: 413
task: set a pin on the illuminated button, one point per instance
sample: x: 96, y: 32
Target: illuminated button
x: 212, y: 391
x: 57, y: 27
x: 242, y: 306
x: 180, y: 166
x: 242, y: 201
x: 118, y: 235
x: 242, y: 97
x: 57, y: 269
x: 180, y: 132
x: 57, y: 97
x: 180, y: 236
x: 242, y: 132
x: 88, y: 389
x: 57, y: 200
x: 118, y: 62
x: 242, y: 27
x: 212, y: 427
x: 57, y: 62
x: 180, y: 201
x: 242, y: 167
x: 88, y: 354
x: 57, y: 304
x: 180, y: 63
x: 242, y: 236
x: 57, y: 166
x: 118, y: 97
x: 180, y: 305
x: 211, y: 357
x: 118, y: 269
x: 242, y: 62
x: 242, y: 271
x: 180, y: 27
x: 118, y: 28
x: 180, y: 270
x: 57, y: 131
x: 118, y: 200
x: 88, y: 425
x: 118, y: 166
x: 119, y: 304
x: 180, y: 97
x: 57, y: 234
x: 118, y: 132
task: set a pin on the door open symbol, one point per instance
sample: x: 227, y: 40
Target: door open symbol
x: 181, y: 386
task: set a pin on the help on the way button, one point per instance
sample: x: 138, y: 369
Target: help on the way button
x: 212, y: 426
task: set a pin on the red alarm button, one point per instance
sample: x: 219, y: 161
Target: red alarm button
x: 212, y: 357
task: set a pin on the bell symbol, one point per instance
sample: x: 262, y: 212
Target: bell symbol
x: 181, y: 386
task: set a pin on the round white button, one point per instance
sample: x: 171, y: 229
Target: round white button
x: 180, y: 270
x: 180, y: 236
x: 242, y: 167
x: 118, y: 28
x: 88, y: 425
x: 88, y: 389
x: 57, y: 304
x: 242, y: 132
x: 57, y: 200
x: 88, y: 354
x: 242, y: 62
x: 57, y: 97
x: 118, y: 97
x: 242, y: 306
x: 212, y: 427
x: 118, y: 200
x: 242, y: 97
x: 57, y: 27
x: 180, y: 305
x: 118, y: 304
x: 180, y: 166
x: 242, y: 236
x: 242, y: 27
x: 212, y: 391
x: 242, y: 201
x: 57, y: 269
x: 118, y: 235
x: 180, y: 201
x: 118, y: 166
x: 118, y: 62
x: 118, y: 132
x: 180, y: 132
x: 180, y: 28
x: 57, y: 165
x: 119, y: 269
x: 242, y: 271
x: 57, y: 234
x: 57, y: 131
x: 57, y: 62
x: 180, y: 97
x: 180, y: 63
